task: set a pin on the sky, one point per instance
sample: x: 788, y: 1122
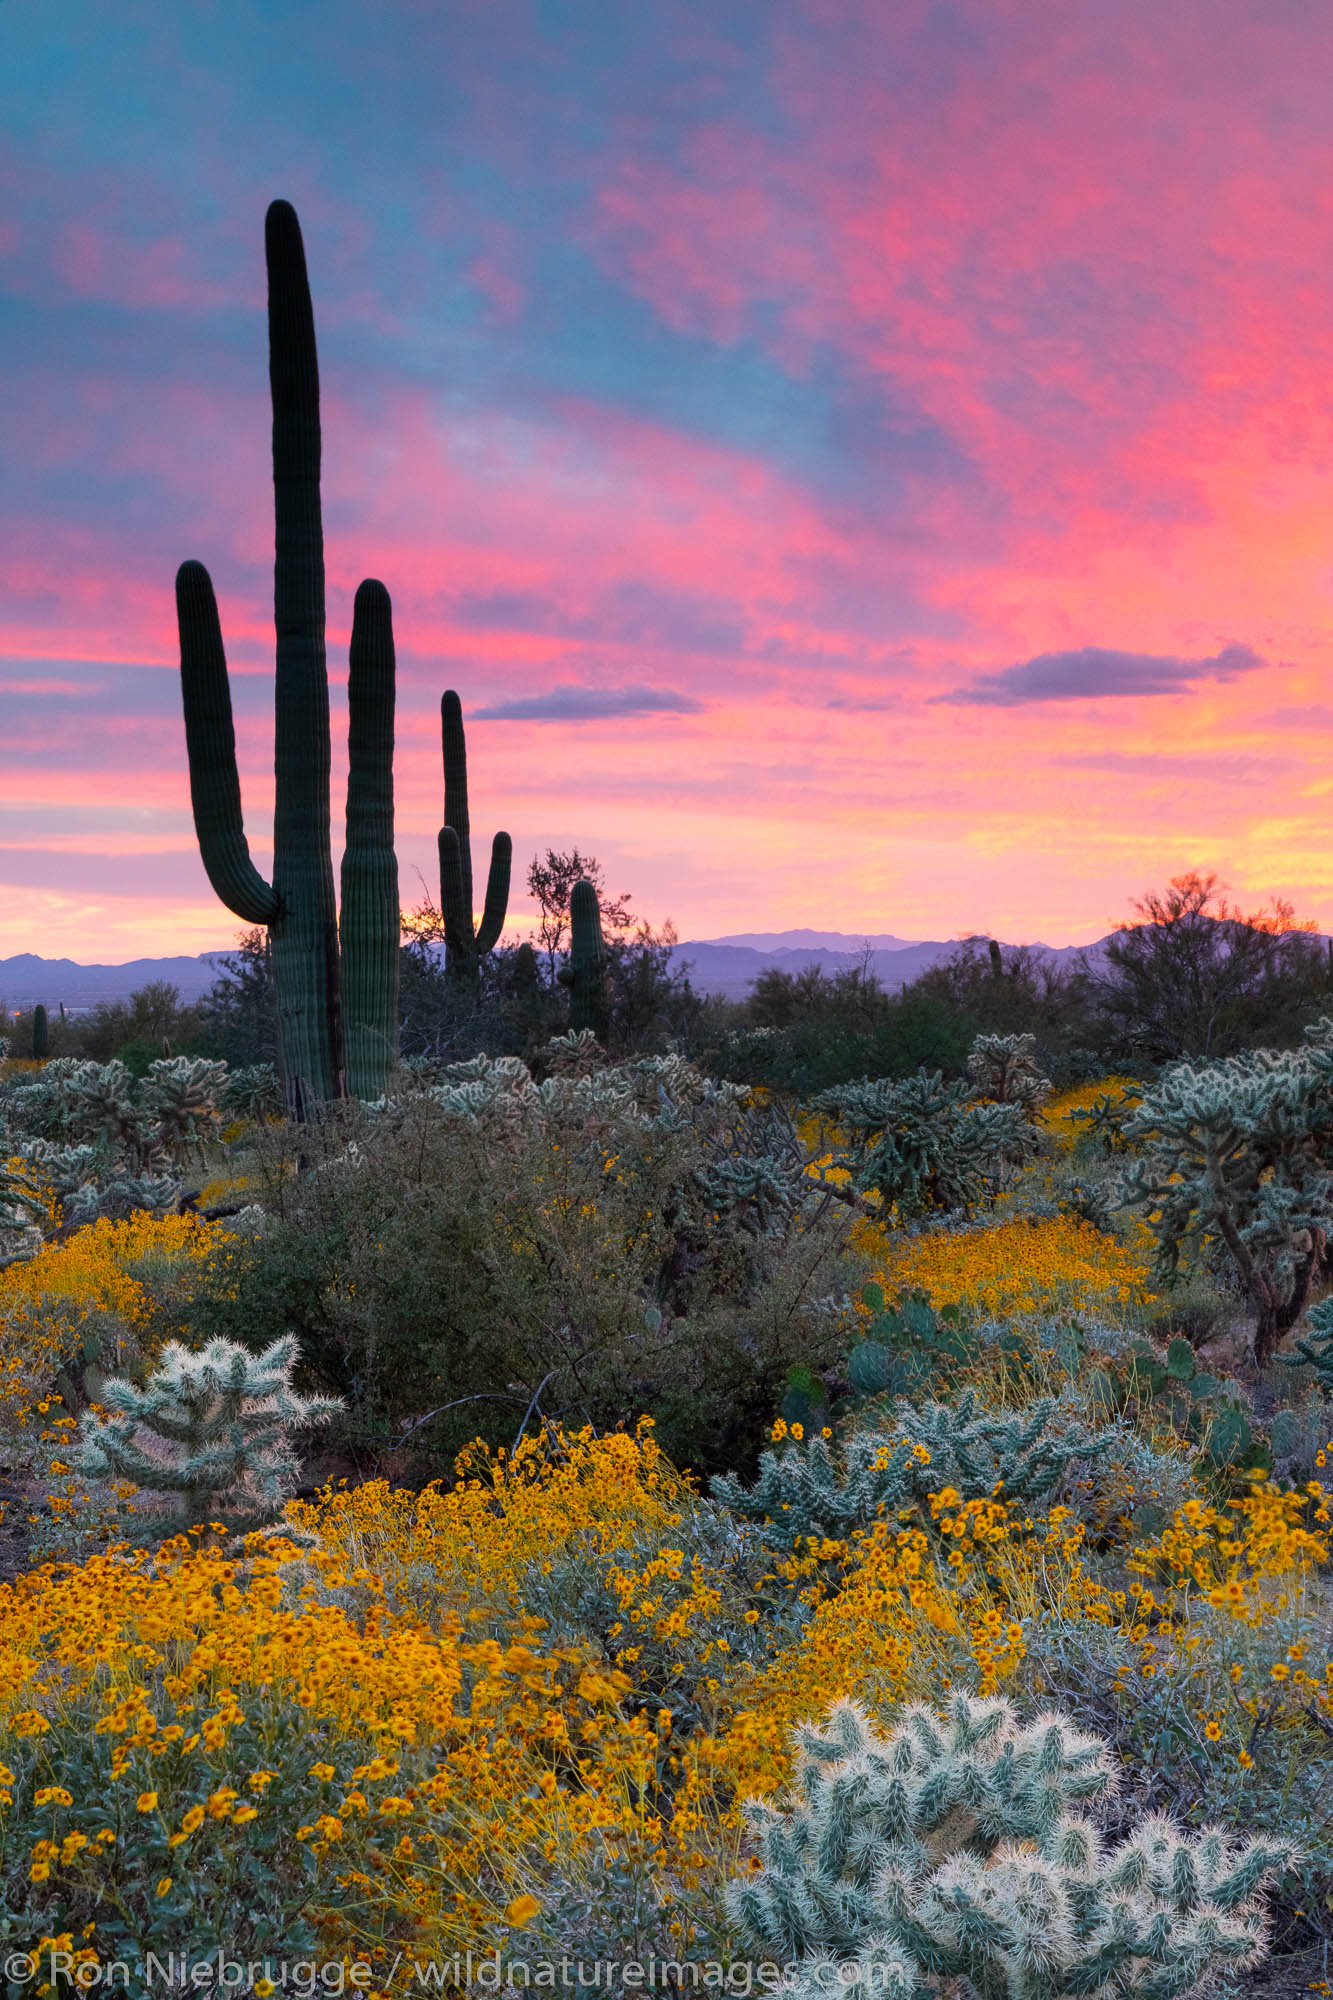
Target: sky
x: 863, y: 466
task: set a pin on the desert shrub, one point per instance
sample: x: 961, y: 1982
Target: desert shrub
x: 806, y: 1033
x: 623, y: 1238
x: 1213, y: 1677
x: 105, y: 1298
x: 532, y: 1700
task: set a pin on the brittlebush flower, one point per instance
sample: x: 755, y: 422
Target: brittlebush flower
x: 522, y: 1911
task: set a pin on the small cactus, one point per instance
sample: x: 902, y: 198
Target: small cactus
x: 1316, y: 1350
x: 1003, y: 1069
x: 210, y: 1430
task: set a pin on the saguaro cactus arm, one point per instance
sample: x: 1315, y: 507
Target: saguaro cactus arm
x: 464, y: 941
x: 497, y: 893
x: 370, y: 912
x: 454, y: 746
x: 210, y: 741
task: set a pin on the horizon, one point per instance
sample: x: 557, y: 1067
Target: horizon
x: 843, y: 459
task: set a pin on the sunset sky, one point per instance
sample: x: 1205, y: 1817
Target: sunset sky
x: 864, y: 464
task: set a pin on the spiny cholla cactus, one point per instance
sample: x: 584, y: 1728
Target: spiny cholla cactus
x: 1003, y: 1069
x: 137, y: 1125
x: 1236, y: 1171
x: 22, y: 1210
x: 949, y: 1856
x: 1317, y: 1350
x: 922, y: 1145
x: 180, y: 1095
x: 122, y: 1196
x: 809, y: 1489
x: 210, y: 1429
x: 573, y: 1054
x: 252, y: 1092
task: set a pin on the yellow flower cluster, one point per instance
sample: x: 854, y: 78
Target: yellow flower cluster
x: 1250, y: 1566
x: 107, y: 1267
x: 382, y: 1700
x: 1060, y: 1115
x: 1053, y: 1264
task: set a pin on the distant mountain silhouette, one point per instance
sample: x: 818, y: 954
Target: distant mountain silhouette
x: 725, y: 965
x: 730, y: 965
x: 26, y: 979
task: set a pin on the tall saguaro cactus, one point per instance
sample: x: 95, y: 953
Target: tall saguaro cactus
x: 298, y: 906
x: 466, y: 943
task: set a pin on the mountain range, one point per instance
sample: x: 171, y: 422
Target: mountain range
x: 725, y: 965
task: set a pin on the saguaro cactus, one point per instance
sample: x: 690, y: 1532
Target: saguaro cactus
x: 585, y: 974
x: 466, y: 943
x: 298, y: 905
x: 41, y: 1040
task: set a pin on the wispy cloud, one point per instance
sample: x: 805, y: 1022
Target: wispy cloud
x: 1096, y: 673
x: 590, y: 704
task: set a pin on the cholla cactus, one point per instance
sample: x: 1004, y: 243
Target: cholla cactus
x: 125, y: 1195
x: 759, y: 1193
x: 952, y: 1851
x: 181, y: 1095
x: 210, y: 1429
x: 1003, y: 1070
x: 22, y: 1211
x: 98, y: 1102
x: 808, y: 1489
x: 1236, y: 1171
x: 922, y: 1145
x: 252, y: 1092
x: 573, y: 1054
x: 1317, y: 1351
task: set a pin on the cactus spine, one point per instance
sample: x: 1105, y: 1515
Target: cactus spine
x: 585, y: 974
x: 41, y: 1040
x: 466, y: 943
x: 298, y: 905
x: 369, y: 923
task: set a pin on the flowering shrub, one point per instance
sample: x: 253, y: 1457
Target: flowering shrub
x: 1016, y: 1270
x: 548, y: 1686
x: 107, y: 1293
